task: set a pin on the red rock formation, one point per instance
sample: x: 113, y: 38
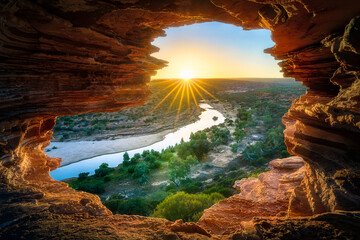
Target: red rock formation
x: 75, y: 56
x: 267, y: 195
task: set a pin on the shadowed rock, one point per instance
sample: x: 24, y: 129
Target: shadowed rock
x: 77, y: 56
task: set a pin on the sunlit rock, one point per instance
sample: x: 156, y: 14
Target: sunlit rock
x: 70, y: 57
x: 267, y: 195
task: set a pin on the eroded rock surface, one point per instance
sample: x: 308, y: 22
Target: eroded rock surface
x: 76, y: 56
x: 267, y: 195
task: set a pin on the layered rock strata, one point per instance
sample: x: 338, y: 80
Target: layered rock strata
x: 267, y: 195
x: 76, y: 56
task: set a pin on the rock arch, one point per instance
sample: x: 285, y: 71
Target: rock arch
x: 71, y: 57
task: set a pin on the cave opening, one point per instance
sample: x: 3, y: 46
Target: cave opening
x: 236, y: 98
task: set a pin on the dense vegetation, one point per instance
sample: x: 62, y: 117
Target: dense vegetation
x: 266, y: 106
x: 180, y: 161
x: 186, y: 196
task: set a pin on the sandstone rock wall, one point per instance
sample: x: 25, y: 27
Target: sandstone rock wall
x: 267, y: 195
x: 76, y: 56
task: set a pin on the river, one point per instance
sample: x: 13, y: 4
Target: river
x: 89, y: 165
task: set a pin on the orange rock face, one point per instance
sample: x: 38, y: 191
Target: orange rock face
x: 76, y: 56
x: 267, y: 195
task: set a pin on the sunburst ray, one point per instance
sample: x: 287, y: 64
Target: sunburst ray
x: 208, y: 93
x: 185, y: 90
x: 166, y: 97
x: 194, y: 98
x: 180, y: 104
x: 173, y: 101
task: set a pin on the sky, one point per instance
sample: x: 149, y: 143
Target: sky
x: 216, y: 50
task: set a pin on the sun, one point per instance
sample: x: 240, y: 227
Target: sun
x: 186, y: 74
x: 184, y: 92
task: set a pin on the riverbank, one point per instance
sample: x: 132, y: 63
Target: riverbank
x: 109, y: 142
x: 76, y: 151
x: 75, y: 165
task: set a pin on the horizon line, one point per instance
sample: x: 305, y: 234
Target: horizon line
x: 224, y: 78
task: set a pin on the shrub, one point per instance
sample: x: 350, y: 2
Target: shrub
x: 113, y: 204
x: 135, y: 159
x: 172, y: 188
x: 187, y: 207
x: 257, y: 172
x: 131, y: 169
x: 198, y: 145
x: 126, y: 159
x: 238, y: 174
x: 192, y: 187
x: 177, y: 170
x: 239, y: 134
x: 103, y: 170
x: 96, y: 188
x: 135, y: 206
x: 243, y: 114
x: 108, y: 178
x: 226, y: 192
x: 234, y: 147
x: 83, y: 176
x: 117, y: 196
x: 140, y: 169
x: 284, y: 154
x: 155, y: 165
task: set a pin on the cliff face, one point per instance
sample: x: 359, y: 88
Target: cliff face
x: 71, y: 57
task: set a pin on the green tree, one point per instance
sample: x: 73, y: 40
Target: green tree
x: 126, y: 159
x: 143, y: 179
x: 177, y: 170
x: 188, y: 207
x: 145, y: 153
x: 155, y: 164
x: 219, y: 136
x: 141, y: 169
x: 253, y: 153
x: 135, y: 159
x: 190, y: 162
x: 184, y: 149
x: 83, y: 176
x: 199, y: 144
x: 239, y: 134
x: 103, y: 170
x: 150, y: 158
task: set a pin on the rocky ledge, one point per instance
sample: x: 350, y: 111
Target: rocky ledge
x: 267, y: 195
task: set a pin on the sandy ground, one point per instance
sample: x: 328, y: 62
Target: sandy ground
x: 75, y: 151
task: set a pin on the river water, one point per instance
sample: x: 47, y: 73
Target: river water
x: 89, y: 165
